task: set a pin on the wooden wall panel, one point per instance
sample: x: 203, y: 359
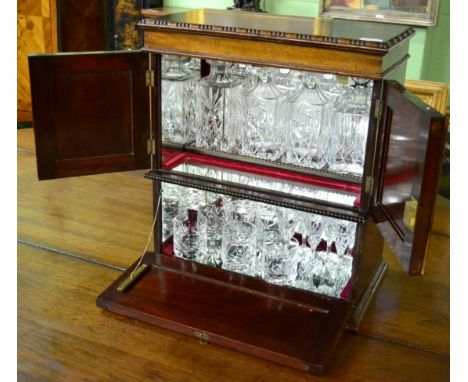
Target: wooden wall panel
x: 36, y: 33
x: 82, y: 25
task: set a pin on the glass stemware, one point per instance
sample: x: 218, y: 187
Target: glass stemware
x: 345, y: 240
x: 342, y: 233
x: 314, y: 229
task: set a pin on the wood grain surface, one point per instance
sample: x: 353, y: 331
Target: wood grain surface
x: 75, y: 237
x: 62, y: 335
x: 36, y: 33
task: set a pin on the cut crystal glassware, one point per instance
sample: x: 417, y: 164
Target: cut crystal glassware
x: 349, y: 127
x: 281, y: 245
x: 263, y: 132
x: 190, y: 236
x: 306, y: 134
x: 221, y: 101
x: 239, y: 247
x: 179, y: 109
x: 280, y: 257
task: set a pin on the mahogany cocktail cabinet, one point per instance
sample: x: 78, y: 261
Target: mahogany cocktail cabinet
x: 101, y: 112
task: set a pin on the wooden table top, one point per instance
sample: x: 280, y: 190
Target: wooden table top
x: 76, y: 235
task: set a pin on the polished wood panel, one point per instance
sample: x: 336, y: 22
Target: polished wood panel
x: 292, y: 327
x: 412, y: 149
x: 82, y: 25
x: 62, y: 335
x: 91, y: 113
x: 317, y: 59
x: 343, y: 34
x: 36, y: 33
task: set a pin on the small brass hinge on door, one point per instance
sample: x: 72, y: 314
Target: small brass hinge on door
x: 409, y: 214
x: 151, y: 146
x: 378, y: 109
x: 149, y: 76
x: 369, y: 184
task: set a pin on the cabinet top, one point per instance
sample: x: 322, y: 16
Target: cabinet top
x: 346, y: 34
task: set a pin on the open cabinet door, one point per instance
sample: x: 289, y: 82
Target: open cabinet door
x: 412, y: 145
x: 91, y: 113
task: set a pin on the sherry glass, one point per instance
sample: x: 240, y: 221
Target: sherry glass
x: 345, y: 240
x: 221, y: 103
x: 179, y: 114
x: 342, y: 233
x: 314, y: 229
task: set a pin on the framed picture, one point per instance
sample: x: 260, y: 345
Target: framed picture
x: 123, y: 16
x: 408, y: 12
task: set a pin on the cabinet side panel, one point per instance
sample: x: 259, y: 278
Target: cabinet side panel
x: 370, y: 271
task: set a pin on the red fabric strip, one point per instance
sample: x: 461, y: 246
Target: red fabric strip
x: 174, y: 159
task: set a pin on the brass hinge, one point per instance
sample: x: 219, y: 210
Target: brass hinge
x: 409, y: 214
x: 151, y: 146
x: 369, y: 184
x: 378, y: 109
x: 149, y: 78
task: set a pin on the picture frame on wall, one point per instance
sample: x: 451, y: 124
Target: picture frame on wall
x: 123, y: 17
x: 407, y: 12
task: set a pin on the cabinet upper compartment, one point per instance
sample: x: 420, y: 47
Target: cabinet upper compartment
x: 326, y: 45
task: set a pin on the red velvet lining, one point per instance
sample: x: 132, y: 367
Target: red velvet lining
x: 174, y: 158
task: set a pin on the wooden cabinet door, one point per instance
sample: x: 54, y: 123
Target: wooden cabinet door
x: 412, y: 146
x: 91, y: 113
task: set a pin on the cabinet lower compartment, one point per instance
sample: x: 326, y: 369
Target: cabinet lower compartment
x: 288, y: 326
